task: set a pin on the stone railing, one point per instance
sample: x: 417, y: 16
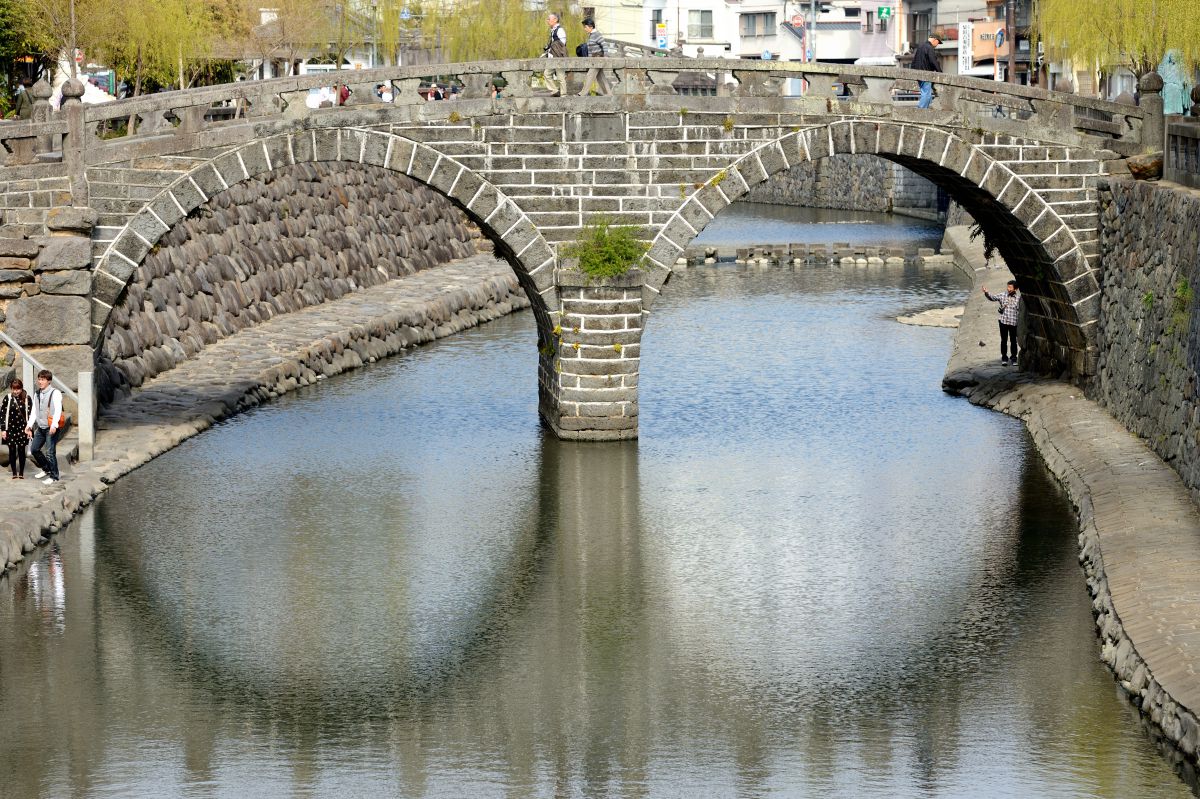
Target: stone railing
x: 212, y: 116
x: 1181, y: 156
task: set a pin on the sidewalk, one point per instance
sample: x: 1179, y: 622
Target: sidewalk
x: 1139, y: 530
x: 249, y: 367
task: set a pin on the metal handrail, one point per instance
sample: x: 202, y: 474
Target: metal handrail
x: 84, y: 400
x: 60, y: 385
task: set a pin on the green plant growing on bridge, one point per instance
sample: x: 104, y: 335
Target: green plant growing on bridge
x: 727, y: 124
x: 718, y: 178
x: 1181, y: 307
x: 607, y: 250
x: 1148, y: 300
x: 454, y: 118
x: 989, y: 244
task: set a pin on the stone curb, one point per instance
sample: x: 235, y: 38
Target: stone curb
x: 319, y: 341
x: 1139, y: 540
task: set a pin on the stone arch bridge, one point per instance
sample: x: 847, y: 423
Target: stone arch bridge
x: 94, y: 189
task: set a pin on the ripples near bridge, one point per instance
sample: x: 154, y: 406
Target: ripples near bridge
x: 814, y: 575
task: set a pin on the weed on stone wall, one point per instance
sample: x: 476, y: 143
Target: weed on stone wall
x: 607, y: 250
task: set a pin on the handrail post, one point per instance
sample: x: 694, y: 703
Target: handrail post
x: 1154, y: 129
x: 26, y: 371
x: 87, y: 416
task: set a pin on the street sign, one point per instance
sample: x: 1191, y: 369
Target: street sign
x: 966, y: 52
x: 660, y: 33
x: 405, y: 13
x: 883, y: 12
x: 797, y: 20
x: 766, y: 56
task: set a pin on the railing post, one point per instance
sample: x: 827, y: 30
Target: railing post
x: 42, y: 112
x: 1153, y: 126
x: 73, y: 142
x: 26, y: 372
x: 87, y: 415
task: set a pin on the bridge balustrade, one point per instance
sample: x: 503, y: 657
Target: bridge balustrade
x: 226, y: 114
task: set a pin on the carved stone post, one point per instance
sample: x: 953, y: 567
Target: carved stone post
x: 41, y: 92
x: 73, y: 142
x: 1153, y: 126
x: 588, y: 372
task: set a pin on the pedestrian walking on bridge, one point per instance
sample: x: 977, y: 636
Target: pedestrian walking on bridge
x: 556, y: 47
x: 926, y: 60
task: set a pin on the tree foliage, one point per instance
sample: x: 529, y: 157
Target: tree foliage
x: 1110, y: 33
x: 485, y: 30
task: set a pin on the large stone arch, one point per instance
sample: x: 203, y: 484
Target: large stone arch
x: 513, y: 233
x: 1060, y: 286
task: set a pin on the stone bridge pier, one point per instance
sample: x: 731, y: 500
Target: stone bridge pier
x: 588, y: 368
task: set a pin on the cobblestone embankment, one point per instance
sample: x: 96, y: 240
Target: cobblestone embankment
x: 251, y: 366
x: 1139, y: 540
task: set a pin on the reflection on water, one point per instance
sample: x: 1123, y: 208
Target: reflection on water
x: 759, y: 223
x: 814, y: 575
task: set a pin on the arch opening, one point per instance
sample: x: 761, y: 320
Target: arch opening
x: 445, y: 186
x: 1060, y: 287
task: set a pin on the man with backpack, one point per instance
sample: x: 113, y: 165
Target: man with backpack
x: 46, y: 427
x: 594, y: 47
x: 556, y: 47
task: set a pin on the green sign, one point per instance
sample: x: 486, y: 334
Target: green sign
x: 884, y: 12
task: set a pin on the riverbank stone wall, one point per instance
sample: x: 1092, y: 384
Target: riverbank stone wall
x: 1149, y: 326
x: 295, y: 237
x: 849, y: 183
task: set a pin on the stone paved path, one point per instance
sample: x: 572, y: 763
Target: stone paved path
x: 255, y: 364
x: 1140, y: 531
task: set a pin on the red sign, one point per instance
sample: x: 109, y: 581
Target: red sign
x: 797, y: 20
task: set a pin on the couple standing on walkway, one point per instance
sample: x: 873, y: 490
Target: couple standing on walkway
x: 556, y: 47
x: 38, y: 417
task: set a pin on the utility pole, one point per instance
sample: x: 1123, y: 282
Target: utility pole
x: 811, y: 44
x: 1010, y: 24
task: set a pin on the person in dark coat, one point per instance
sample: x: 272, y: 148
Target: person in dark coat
x: 926, y: 59
x: 16, y: 409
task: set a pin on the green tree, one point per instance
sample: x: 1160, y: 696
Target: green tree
x: 485, y: 30
x: 57, y: 28
x: 1109, y: 33
x: 168, y: 42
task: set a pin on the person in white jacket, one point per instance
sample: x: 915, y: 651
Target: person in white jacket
x: 46, y: 427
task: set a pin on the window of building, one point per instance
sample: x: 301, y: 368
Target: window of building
x: 656, y: 16
x: 758, y: 24
x: 700, y: 24
x: 918, y: 27
x: 870, y: 26
x: 851, y: 12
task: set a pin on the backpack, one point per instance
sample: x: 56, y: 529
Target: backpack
x: 581, y: 50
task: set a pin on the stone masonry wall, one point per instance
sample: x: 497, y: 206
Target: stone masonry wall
x: 1149, y: 330
x: 848, y: 182
x: 298, y: 236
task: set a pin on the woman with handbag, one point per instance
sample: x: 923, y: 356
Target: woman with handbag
x: 15, y: 410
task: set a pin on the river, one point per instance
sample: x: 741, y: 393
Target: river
x: 815, y: 574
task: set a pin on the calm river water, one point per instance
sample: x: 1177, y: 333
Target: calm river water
x: 815, y: 575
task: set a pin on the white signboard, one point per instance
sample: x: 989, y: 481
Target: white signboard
x: 966, y: 55
x: 660, y: 33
